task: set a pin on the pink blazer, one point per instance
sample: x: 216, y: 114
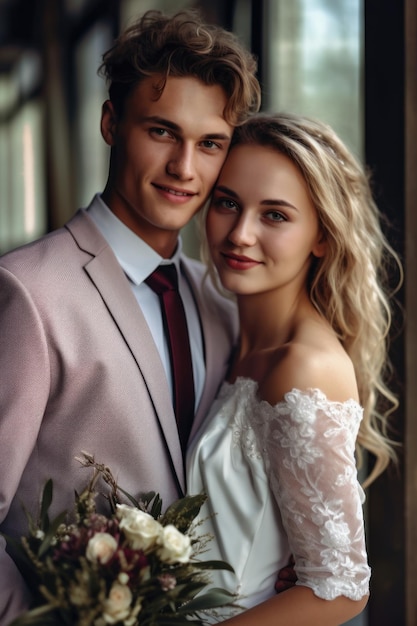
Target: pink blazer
x: 79, y: 371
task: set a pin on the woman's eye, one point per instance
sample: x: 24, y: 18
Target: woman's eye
x: 227, y: 204
x: 275, y: 216
x: 224, y: 204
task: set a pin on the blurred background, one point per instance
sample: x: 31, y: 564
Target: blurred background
x: 352, y: 63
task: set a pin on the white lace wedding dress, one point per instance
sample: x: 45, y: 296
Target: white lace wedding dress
x: 281, y: 480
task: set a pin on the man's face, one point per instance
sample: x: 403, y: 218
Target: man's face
x: 166, y: 156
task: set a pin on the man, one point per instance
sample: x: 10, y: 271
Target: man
x: 84, y: 363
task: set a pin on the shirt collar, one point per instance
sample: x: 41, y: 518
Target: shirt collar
x: 135, y: 256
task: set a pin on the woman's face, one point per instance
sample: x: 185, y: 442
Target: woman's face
x: 262, y: 226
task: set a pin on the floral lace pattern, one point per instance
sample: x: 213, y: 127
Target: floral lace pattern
x: 308, y: 443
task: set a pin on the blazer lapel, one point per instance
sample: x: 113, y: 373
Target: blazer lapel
x: 111, y: 282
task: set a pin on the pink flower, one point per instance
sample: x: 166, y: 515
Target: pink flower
x: 167, y: 581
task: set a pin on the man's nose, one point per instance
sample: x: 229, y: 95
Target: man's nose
x: 182, y: 163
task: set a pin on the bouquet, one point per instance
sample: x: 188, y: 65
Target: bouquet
x: 134, y: 566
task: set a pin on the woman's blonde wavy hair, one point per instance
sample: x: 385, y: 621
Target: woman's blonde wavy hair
x: 349, y: 284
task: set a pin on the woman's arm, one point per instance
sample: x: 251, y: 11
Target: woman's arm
x: 309, y: 444
x: 299, y: 607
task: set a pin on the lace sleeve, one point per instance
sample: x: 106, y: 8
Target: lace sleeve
x: 309, y: 444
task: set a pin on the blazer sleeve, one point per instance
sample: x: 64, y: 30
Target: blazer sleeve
x: 24, y: 374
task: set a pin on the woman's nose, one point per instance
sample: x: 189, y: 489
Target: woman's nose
x: 243, y: 232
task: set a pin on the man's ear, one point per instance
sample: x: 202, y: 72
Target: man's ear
x: 108, y: 123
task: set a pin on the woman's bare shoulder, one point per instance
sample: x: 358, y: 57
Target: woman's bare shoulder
x: 311, y: 360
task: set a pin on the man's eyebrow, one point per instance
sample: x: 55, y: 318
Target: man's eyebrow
x: 162, y: 121
x: 155, y: 119
x: 220, y: 136
x: 268, y: 202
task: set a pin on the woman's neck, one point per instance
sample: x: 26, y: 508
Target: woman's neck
x: 269, y: 322
x: 269, y: 319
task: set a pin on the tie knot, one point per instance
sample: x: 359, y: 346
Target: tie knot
x: 164, y: 278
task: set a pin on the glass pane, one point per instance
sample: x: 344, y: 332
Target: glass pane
x: 131, y: 9
x: 313, y: 62
x: 22, y: 172
x: 92, y: 152
x: 28, y: 220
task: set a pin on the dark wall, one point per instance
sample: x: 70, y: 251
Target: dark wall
x: 385, y: 154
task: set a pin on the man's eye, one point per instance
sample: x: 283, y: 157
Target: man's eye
x: 160, y: 132
x: 211, y: 145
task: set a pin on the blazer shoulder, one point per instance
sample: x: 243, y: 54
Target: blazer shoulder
x: 74, y: 243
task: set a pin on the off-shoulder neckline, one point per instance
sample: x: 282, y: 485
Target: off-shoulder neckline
x: 313, y: 393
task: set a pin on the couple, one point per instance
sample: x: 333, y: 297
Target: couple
x: 292, y: 232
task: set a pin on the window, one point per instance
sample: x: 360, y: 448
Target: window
x: 313, y: 63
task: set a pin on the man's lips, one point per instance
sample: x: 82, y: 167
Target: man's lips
x: 238, y: 261
x: 181, y: 194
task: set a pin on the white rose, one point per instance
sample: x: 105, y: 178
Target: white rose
x: 175, y: 547
x: 124, y: 510
x: 140, y: 528
x: 117, y: 605
x: 101, y: 548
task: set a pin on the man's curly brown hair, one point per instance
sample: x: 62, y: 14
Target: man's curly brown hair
x: 182, y: 45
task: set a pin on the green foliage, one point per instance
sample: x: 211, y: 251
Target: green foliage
x: 71, y: 587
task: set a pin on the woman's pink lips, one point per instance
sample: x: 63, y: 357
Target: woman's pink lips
x: 237, y: 262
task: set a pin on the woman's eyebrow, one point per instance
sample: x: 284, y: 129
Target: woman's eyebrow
x: 266, y: 202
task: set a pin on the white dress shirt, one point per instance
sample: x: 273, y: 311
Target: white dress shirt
x: 138, y: 261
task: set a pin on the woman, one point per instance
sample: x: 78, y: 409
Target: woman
x: 294, y: 233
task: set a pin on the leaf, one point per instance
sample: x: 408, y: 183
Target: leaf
x: 45, y: 504
x: 133, y: 500
x: 156, y: 508
x: 182, y: 512
x: 145, y: 501
x: 212, y: 565
x: 214, y: 598
x: 49, y: 536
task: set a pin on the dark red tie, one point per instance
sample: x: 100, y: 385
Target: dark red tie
x: 164, y: 282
